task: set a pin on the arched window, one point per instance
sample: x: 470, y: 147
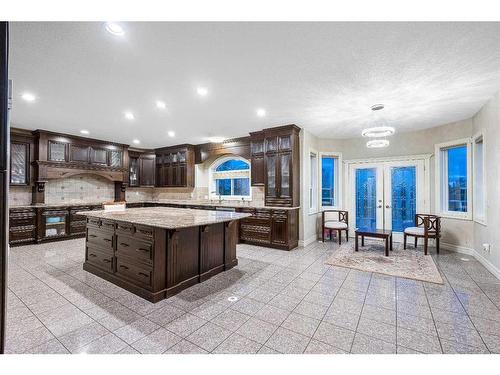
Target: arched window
x: 230, y: 178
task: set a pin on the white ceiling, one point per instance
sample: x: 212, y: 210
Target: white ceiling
x: 321, y: 76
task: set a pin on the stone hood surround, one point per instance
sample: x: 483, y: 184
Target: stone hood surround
x: 167, y: 217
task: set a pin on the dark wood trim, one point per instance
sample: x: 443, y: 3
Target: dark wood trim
x: 235, y: 146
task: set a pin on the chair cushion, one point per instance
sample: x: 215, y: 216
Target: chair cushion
x: 416, y: 231
x: 335, y: 225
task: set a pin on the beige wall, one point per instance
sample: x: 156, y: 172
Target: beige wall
x: 487, y: 120
x: 455, y: 232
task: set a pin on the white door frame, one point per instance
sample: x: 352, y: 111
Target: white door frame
x: 422, y: 164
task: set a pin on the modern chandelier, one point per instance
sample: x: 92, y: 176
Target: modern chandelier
x: 378, y: 132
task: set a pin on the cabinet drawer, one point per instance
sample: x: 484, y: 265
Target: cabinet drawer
x: 22, y: 234
x: 135, y: 249
x: 99, y: 258
x: 145, y: 233
x: 108, y: 225
x: 77, y: 227
x: 124, y: 228
x: 255, y: 221
x: 100, y: 238
x: 255, y: 233
x: 136, y: 274
x: 21, y: 220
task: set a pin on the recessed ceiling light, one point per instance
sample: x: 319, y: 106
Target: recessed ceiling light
x: 160, y: 104
x: 216, y: 139
x: 86, y: 132
x: 171, y: 133
x: 115, y: 29
x: 377, y: 143
x: 261, y: 112
x: 136, y: 141
x: 29, y: 97
x: 202, y: 91
x: 377, y: 107
x: 378, y: 131
x: 129, y: 115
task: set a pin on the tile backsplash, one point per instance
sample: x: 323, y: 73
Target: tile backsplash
x: 19, y: 195
x: 79, y: 189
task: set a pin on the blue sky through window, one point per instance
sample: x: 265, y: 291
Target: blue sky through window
x: 327, y: 181
x: 457, y: 179
x: 232, y: 165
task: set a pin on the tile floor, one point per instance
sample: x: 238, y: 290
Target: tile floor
x: 287, y: 302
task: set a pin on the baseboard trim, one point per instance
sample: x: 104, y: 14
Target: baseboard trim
x: 308, y: 241
x: 470, y: 251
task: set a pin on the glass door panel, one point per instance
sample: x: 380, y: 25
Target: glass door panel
x: 403, y: 197
x: 366, y: 198
x: 285, y: 175
x: 271, y: 175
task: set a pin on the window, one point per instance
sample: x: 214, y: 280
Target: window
x: 479, y: 183
x: 313, y: 182
x: 330, y: 180
x: 454, y: 169
x: 230, y: 178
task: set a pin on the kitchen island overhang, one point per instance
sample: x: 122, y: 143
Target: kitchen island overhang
x: 157, y: 252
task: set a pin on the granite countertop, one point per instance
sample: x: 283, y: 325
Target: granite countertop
x: 190, y: 202
x: 167, y: 217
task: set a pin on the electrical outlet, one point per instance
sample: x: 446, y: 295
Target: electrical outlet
x: 487, y: 248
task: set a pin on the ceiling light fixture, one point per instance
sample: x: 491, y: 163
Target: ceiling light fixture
x: 85, y: 132
x: 378, y: 131
x: 377, y: 107
x: 202, y: 91
x: 129, y: 116
x: 171, y: 133
x: 261, y: 112
x: 29, y: 97
x: 136, y: 141
x: 114, y: 29
x: 377, y: 143
x: 160, y: 104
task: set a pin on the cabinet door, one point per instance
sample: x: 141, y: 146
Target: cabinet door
x: 181, y: 175
x: 257, y: 171
x: 115, y: 158
x: 147, y: 171
x: 133, y: 177
x: 285, y: 175
x: 279, y: 228
x: 79, y: 153
x: 98, y: 156
x: 175, y: 175
x: 271, y: 180
x: 57, y: 151
x: 19, y: 163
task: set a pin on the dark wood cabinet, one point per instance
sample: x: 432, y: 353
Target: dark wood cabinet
x: 147, y: 170
x: 281, y: 166
x: 257, y: 158
x: 19, y: 163
x: 175, y: 166
x: 270, y: 228
x: 22, y: 226
x: 142, y: 169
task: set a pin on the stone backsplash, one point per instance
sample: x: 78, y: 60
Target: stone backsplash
x: 79, y: 189
x: 20, y: 195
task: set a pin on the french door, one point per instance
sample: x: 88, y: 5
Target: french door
x: 387, y: 195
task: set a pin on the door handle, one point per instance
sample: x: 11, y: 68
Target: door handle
x: 387, y: 206
x: 379, y: 206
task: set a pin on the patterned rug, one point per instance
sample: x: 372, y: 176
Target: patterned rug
x: 409, y: 263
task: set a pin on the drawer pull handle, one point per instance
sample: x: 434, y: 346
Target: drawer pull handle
x: 106, y: 260
x: 92, y: 255
x: 143, y: 274
x: 107, y: 240
x: 124, y: 244
x: 144, y: 250
x: 92, y: 235
x: 124, y: 267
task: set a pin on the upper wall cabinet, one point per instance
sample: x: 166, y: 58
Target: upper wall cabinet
x: 257, y: 158
x: 175, y: 166
x: 281, y: 166
x: 141, y: 169
x: 19, y: 163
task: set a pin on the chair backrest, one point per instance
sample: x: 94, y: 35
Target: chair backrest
x: 431, y: 223
x: 336, y: 215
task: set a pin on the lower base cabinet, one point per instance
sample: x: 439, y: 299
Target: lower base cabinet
x: 157, y: 263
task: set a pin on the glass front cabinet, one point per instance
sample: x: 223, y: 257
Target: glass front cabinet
x: 19, y: 163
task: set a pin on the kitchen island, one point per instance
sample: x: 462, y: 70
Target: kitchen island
x: 157, y: 252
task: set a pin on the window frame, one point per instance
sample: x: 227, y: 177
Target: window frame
x: 338, y: 177
x: 313, y: 183
x: 441, y: 175
x: 212, y: 178
x: 481, y: 219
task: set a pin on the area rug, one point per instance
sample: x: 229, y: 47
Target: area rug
x: 410, y: 263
